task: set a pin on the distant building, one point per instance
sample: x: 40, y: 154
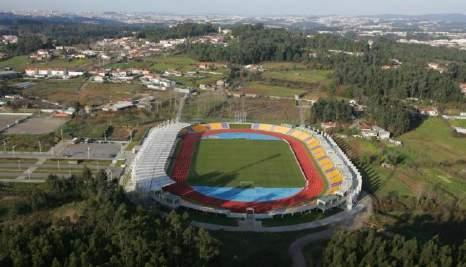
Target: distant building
x: 460, y: 130
x: 432, y: 112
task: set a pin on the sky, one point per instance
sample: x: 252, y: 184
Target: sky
x: 247, y: 7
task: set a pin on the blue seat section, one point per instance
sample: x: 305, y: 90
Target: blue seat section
x: 257, y: 194
x: 250, y: 136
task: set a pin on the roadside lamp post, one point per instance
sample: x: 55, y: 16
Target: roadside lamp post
x: 40, y: 147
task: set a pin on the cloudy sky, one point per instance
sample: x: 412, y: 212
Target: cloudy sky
x: 247, y: 7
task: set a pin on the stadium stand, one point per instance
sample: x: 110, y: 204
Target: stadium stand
x: 265, y: 127
x: 199, y: 128
x: 149, y: 166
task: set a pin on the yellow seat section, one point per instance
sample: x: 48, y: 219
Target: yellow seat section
x: 199, y: 128
x: 337, y: 179
x: 325, y: 161
x: 300, y: 135
x: 265, y: 127
x: 313, y: 143
x: 216, y: 126
x: 320, y: 153
x: 327, y: 166
x: 333, y: 173
x: 281, y: 129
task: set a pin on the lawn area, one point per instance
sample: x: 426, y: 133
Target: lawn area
x: 160, y: 63
x: 18, y: 63
x: 434, y: 140
x: 230, y: 162
x: 102, y: 93
x: 300, y: 75
x: 265, y: 89
x: 458, y: 123
x: 434, y: 163
x: 61, y: 91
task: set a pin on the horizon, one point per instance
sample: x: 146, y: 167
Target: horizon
x: 246, y: 8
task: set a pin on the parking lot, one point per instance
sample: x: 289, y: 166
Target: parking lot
x: 6, y: 120
x: 38, y: 125
x: 92, y: 151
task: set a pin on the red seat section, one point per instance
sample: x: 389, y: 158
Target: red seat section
x: 313, y: 188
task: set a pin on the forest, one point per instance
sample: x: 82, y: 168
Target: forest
x: 111, y: 231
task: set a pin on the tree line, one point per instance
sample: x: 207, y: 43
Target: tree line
x: 110, y: 231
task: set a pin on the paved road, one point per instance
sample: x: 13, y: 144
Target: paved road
x: 296, y: 249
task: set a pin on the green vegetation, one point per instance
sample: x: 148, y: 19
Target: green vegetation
x: 230, y: 162
x: 161, y: 63
x: 265, y: 89
x: 458, y: 123
x: 102, y: 93
x: 73, y: 215
x: 29, y: 143
x: 18, y: 63
x: 61, y: 91
x: 295, y: 73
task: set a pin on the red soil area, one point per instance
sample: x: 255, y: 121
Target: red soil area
x: 314, y: 186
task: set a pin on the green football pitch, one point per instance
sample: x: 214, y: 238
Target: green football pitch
x: 234, y: 163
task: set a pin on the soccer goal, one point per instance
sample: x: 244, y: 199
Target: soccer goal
x: 246, y: 184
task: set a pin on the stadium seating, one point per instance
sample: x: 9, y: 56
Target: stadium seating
x: 300, y: 135
x: 216, y: 126
x: 265, y: 127
x: 313, y: 143
x: 281, y: 129
x: 199, y: 128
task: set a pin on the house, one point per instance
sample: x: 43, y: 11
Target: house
x: 220, y: 84
x: 460, y: 130
x: 31, y: 72
x: 98, y: 79
x: 382, y: 134
x: 204, y: 66
x: 373, y: 131
x: 254, y: 68
x: 436, y: 67
x: 328, y: 125
x: 463, y: 88
x: 432, y: 112
x: 73, y: 74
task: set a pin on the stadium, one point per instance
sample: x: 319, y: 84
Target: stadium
x: 247, y: 170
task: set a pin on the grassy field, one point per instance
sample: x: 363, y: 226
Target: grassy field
x: 229, y: 162
x: 261, y: 88
x: 160, y: 63
x: 433, y: 163
x: 297, y: 73
x: 102, y: 93
x: 458, y: 123
x: 61, y: 91
x: 20, y: 63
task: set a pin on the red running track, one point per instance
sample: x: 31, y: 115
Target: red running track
x: 314, y: 186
